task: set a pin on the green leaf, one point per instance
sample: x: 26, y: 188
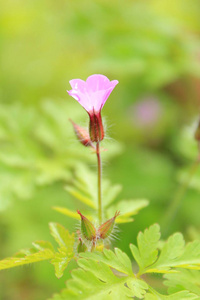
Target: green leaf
x: 83, y: 188
x: 44, y: 251
x: 110, y: 193
x: 67, y: 212
x: 183, y: 280
x: 66, y: 250
x: 183, y: 295
x: 61, y: 261
x: 171, y: 250
x: 175, y: 255
x: 190, y: 256
x: 42, y: 245
x: 84, y: 185
x: 61, y: 235
x: 70, y: 213
x: 127, y: 209
x: 41, y: 251
x: 146, y: 252
x: 117, y: 260
x: 79, y: 196
x: 138, y: 287
x: 95, y: 281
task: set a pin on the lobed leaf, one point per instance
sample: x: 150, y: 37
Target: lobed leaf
x: 171, y: 250
x: 175, y: 255
x: 117, y: 260
x: 66, y: 250
x: 44, y: 251
x: 127, y: 208
x: 110, y: 193
x: 61, y: 235
x: 67, y: 212
x: 183, y: 295
x: 61, y: 260
x: 183, y: 280
x: 79, y: 196
x: 146, y: 252
x: 95, y: 281
x: 83, y: 188
x: 42, y: 245
x: 109, y: 275
x: 41, y: 251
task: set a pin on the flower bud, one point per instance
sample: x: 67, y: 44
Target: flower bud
x: 96, y: 126
x: 106, y: 228
x: 87, y: 228
x: 197, y: 133
x: 82, y: 135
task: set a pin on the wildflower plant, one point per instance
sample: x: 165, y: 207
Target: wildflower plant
x: 101, y: 272
x: 92, y: 95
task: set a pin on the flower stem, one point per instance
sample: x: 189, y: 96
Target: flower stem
x: 174, y: 206
x: 99, y: 182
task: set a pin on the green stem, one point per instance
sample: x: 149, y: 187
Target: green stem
x: 174, y: 206
x: 99, y: 182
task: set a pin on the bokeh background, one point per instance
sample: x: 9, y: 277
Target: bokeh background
x: 153, y: 48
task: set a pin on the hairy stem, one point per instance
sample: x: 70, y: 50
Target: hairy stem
x: 179, y: 195
x: 99, y: 182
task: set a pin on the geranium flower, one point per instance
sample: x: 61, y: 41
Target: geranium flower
x: 92, y: 95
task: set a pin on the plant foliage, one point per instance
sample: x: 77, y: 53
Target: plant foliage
x: 32, y: 156
x: 83, y: 189
x: 109, y: 274
x: 44, y: 251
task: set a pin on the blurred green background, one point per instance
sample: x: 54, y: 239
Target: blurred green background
x: 153, y: 48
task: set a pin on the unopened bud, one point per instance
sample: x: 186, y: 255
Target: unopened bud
x: 81, y: 246
x: 106, y: 228
x: 82, y: 135
x: 197, y: 133
x: 96, y: 126
x: 87, y: 228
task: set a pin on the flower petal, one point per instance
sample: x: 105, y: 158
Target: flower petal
x: 78, y: 84
x: 97, y: 82
x: 113, y: 83
x: 82, y: 98
x: 102, y: 96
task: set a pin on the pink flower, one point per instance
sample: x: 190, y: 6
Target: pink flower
x: 92, y: 95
